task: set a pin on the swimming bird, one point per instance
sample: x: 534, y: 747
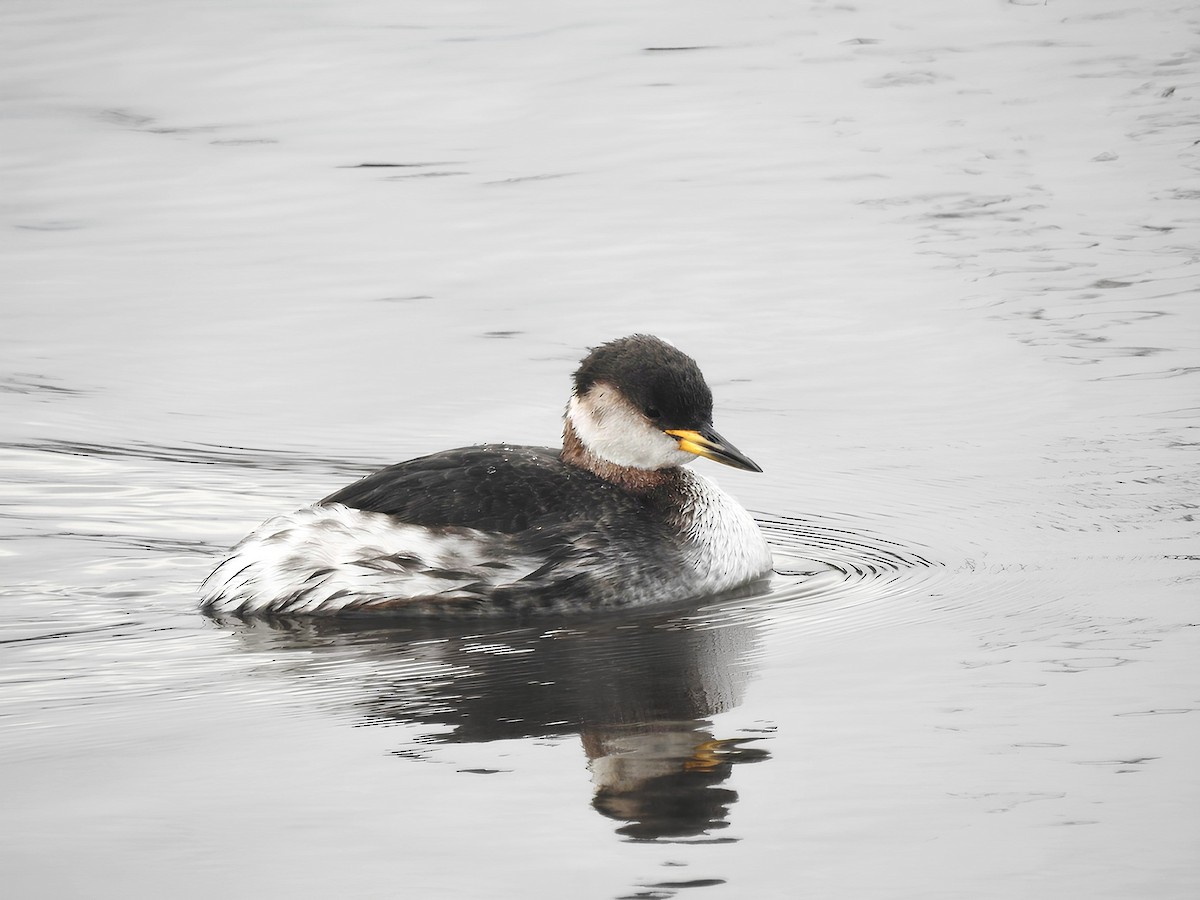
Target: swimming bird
x: 611, y: 519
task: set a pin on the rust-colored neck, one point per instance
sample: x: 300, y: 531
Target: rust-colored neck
x: 637, y: 481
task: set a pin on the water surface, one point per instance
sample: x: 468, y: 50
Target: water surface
x: 939, y: 265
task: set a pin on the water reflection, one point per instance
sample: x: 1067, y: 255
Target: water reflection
x: 640, y: 694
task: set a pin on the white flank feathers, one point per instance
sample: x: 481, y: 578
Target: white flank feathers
x: 327, y: 559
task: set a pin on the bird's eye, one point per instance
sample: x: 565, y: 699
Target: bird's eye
x: 652, y: 412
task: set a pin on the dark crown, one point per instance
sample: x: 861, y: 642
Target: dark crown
x: 663, y: 382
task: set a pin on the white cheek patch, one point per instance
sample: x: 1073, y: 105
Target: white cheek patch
x: 614, y: 431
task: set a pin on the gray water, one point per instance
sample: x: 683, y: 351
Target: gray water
x: 939, y: 263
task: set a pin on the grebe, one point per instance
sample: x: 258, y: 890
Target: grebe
x: 610, y: 520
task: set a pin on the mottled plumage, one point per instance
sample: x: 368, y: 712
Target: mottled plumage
x: 610, y: 520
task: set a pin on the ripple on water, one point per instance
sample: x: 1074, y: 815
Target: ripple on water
x: 834, y: 573
x: 830, y: 575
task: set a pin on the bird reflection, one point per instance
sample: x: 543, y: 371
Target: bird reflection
x: 639, y: 692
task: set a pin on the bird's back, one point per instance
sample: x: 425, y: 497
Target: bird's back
x: 486, y: 530
x: 495, y: 488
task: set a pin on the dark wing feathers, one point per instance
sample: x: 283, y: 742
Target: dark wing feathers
x: 584, y: 531
x: 494, y: 488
